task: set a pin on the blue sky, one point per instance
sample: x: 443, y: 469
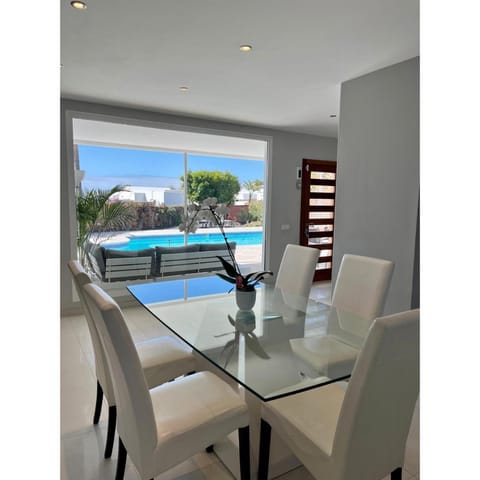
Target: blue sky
x: 105, y: 167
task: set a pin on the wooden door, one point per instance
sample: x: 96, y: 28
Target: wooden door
x: 318, y: 212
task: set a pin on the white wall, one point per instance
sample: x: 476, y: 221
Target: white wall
x: 173, y: 198
x: 378, y: 174
x: 288, y: 150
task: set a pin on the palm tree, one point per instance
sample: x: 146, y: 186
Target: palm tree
x: 95, y: 214
x: 252, y: 186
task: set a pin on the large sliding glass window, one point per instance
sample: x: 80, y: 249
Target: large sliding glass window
x: 133, y: 186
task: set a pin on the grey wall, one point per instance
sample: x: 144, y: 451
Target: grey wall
x: 378, y: 174
x: 288, y: 150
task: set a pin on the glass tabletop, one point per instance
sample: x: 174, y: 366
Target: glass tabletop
x: 284, y: 345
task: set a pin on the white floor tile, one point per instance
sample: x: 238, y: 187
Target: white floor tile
x: 300, y: 473
x: 201, y: 466
x: 82, y: 456
x: 321, y: 292
x: 77, y: 407
x: 215, y: 471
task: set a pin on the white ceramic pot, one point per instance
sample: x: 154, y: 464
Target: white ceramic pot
x: 245, y: 300
x: 245, y: 321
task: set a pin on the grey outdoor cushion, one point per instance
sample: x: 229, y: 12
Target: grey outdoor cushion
x: 183, y: 249
x: 98, y: 252
x: 101, y: 254
x: 211, y: 247
x: 147, y: 252
x: 208, y: 247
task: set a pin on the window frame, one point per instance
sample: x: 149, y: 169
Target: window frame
x: 68, y: 160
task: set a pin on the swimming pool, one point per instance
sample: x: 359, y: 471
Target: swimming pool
x: 150, y: 241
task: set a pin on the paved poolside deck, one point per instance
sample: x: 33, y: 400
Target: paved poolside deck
x: 250, y: 255
x: 124, y: 236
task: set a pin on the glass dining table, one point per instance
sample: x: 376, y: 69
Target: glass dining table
x: 286, y: 344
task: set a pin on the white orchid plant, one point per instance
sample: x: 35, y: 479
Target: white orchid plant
x: 209, y: 210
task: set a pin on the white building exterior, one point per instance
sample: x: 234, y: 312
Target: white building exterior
x: 159, y: 195
x: 243, y: 195
x: 172, y: 198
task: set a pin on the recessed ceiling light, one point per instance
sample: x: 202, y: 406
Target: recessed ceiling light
x: 78, y: 5
x: 245, y: 48
x: 184, y: 89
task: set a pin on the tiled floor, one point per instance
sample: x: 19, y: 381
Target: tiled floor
x: 82, y: 444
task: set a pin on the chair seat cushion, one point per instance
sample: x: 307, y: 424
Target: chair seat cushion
x: 291, y: 417
x: 324, y: 353
x: 163, y: 359
x: 194, y: 412
x: 304, y: 383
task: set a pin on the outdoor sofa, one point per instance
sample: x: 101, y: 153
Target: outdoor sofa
x: 112, y: 265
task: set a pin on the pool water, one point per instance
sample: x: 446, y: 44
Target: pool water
x: 139, y: 243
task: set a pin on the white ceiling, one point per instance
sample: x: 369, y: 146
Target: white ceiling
x: 138, y: 54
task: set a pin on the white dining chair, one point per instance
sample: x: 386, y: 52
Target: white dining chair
x: 162, y: 358
x: 295, y: 274
x: 360, y: 289
x: 164, y: 426
x: 355, y: 430
x: 362, y: 285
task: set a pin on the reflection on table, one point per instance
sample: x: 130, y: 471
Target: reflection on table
x: 283, y: 345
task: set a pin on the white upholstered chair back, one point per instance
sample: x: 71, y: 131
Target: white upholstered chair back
x: 380, y: 399
x: 362, y: 285
x: 80, y: 278
x: 136, y: 421
x: 297, y: 267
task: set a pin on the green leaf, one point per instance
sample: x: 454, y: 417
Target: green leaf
x: 228, y: 268
x: 254, y: 276
x: 95, y: 214
x: 227, y: 279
